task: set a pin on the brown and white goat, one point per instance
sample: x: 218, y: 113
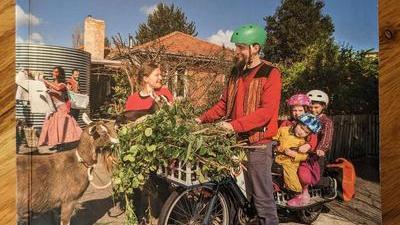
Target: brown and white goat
x: 46, y: 182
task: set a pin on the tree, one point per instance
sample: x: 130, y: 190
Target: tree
x: 107, y: 42
x: 164, y: 20
x: 296, y: 25
x: 349, y: 77
x: 77, y: 37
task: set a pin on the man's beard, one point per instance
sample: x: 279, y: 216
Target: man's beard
x: 240, y: 62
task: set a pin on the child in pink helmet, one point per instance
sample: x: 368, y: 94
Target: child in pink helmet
x: 298, y: 105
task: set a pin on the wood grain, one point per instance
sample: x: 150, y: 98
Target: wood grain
x: 389, y: 93
x: 7, y: 113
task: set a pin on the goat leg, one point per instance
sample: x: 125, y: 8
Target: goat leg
x: 67, y: 209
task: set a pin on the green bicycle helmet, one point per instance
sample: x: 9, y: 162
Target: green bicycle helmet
x: 249, y: 34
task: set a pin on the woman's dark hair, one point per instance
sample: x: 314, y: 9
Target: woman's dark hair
x: 61, y: 79
x: 61, y: 74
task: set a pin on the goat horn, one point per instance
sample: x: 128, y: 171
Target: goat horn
x: 86, y: 119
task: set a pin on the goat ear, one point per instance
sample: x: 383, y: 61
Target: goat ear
x: 92, y: 130
x: 86, y: 119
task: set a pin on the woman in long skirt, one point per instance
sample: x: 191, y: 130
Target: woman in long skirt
x: 59, y: 127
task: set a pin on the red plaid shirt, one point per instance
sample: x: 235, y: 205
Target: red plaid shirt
x: 326, y: 134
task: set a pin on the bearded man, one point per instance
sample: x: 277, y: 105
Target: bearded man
x: 250, y: 102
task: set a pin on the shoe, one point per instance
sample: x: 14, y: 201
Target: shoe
x: 306, y: 198
x: 330, y: 192
x: 296, y: 201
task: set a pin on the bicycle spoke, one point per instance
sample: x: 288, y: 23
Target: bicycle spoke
x: 185, y: 214
x: 180, y: 208
x: 189, y: 212
x: 196, y: 208
x: 187, y: 206
x: 177, y: 221
x: 179, y: 214
x: 191, y: 208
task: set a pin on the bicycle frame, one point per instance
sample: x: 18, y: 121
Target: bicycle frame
x: 228, y: 186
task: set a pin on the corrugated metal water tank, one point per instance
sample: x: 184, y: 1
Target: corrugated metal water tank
x: 43, y: 58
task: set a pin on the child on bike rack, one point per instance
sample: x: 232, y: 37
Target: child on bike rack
x: 298, y: 105
x: 290, y: 138
x: 319, y: 103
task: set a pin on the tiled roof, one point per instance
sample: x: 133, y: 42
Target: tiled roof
x: 184, y: 44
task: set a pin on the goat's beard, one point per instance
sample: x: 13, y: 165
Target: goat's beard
x: 109, y: 159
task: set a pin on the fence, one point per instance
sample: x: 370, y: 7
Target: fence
x: 355, y: 136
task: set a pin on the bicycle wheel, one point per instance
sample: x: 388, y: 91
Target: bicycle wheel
x: 190, y: 206
x: 308, y: 216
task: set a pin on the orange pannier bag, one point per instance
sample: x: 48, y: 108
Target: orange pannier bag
x: 344, y: 173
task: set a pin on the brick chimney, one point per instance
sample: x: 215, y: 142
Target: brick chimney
x: 94, y: 34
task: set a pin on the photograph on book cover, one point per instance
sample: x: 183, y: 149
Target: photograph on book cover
x: 211, y: 112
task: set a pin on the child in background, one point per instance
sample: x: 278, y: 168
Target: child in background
x: 291, y: 138
x: 319, y: 103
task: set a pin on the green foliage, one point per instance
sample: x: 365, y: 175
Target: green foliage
x: 349, y: 77
x: 121, y: 90
x: 170, y: 134
x: 301, y: 42
x: 107, y: 42
x: 295, y: 25
x: 164, y: 20
x: 213, y: 95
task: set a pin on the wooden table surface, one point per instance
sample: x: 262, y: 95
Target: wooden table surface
x: 389, y: 93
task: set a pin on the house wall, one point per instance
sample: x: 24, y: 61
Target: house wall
x: 94, y: 34
x: 201, y: 83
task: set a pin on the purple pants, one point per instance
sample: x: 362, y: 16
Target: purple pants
x: 309, y: 171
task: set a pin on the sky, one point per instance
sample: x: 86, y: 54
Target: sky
x: 53, y: 21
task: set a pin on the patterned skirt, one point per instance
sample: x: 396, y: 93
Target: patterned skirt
x: 59, y: 128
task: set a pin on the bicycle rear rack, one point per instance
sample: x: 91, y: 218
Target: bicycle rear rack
x: 185, y: 174
x: 281, y: 197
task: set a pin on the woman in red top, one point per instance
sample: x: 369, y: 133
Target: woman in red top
x: 59, y: 127
x: 143, y: 102
x: 73, y: 85
x: 72, y: 82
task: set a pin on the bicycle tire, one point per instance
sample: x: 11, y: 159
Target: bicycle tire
x: 176, y: 196
x: 308, y: 216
